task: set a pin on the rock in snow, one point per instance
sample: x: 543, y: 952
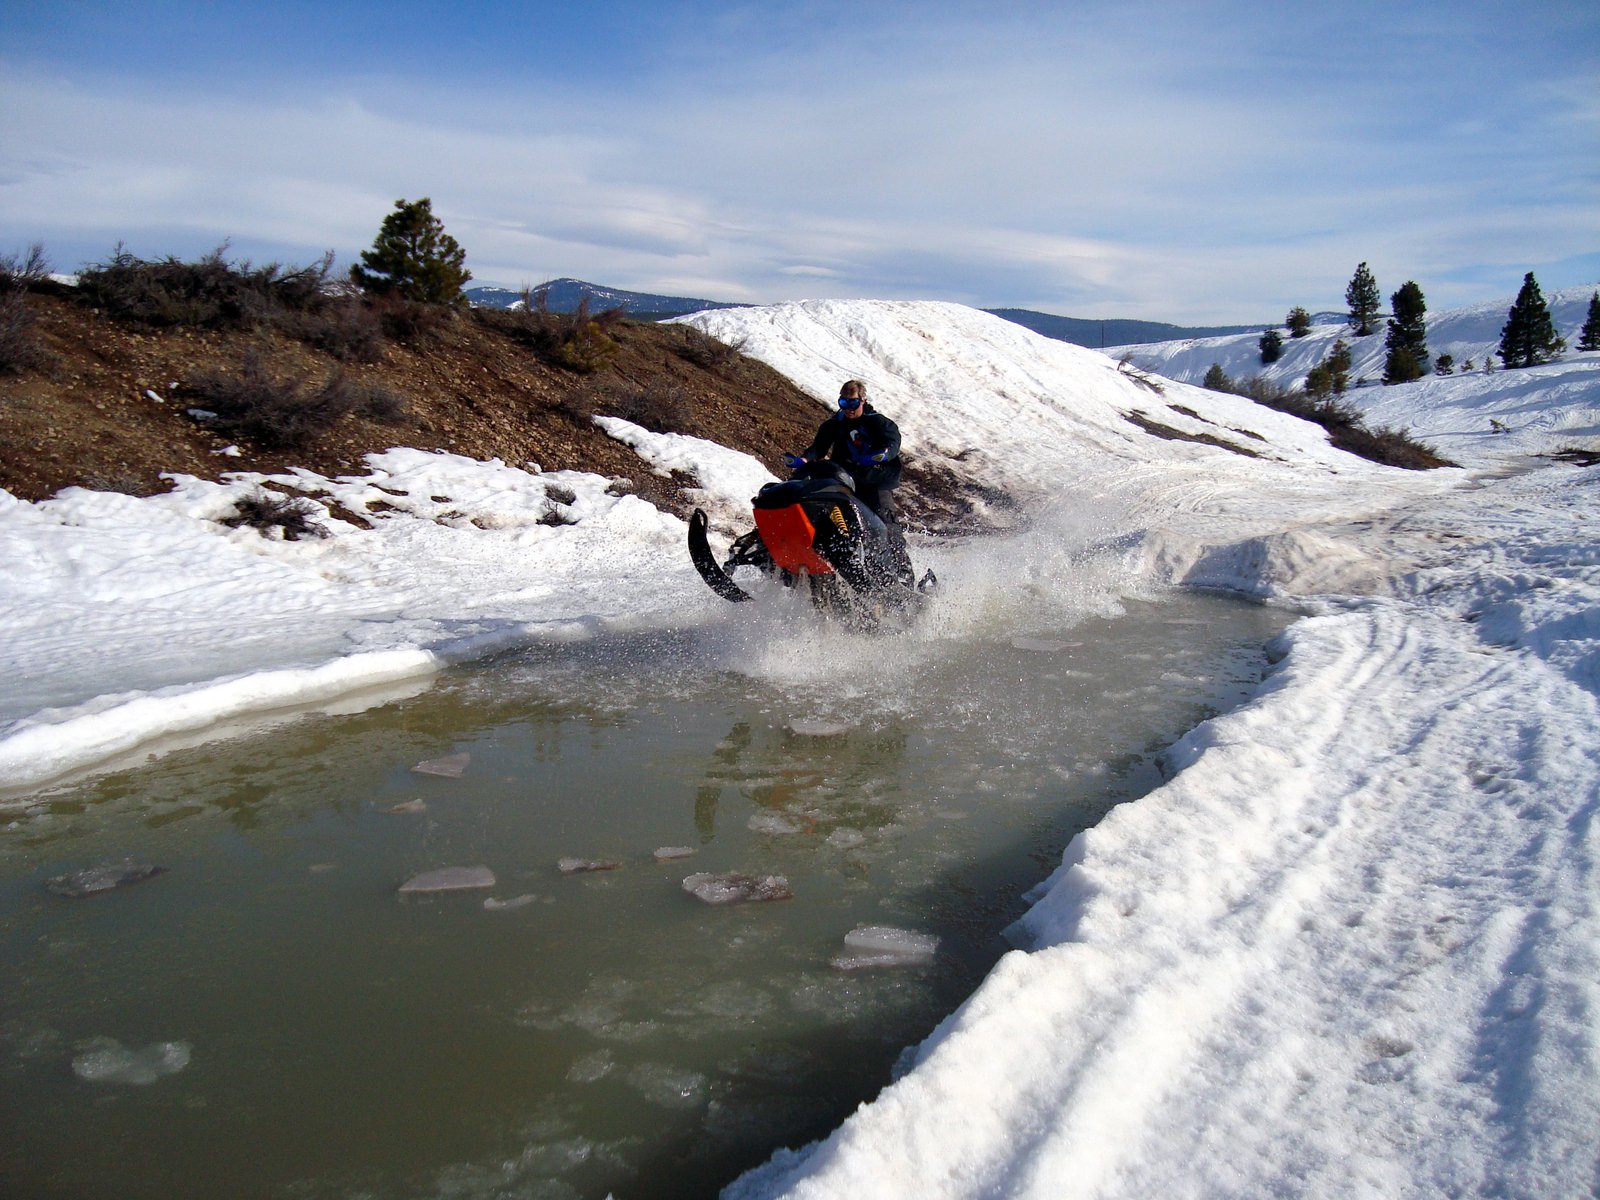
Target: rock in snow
x: 93, y: 880
x: 736, y: 887
x: 448, y: 879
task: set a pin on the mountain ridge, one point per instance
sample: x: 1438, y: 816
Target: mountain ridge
x: 565, y: 294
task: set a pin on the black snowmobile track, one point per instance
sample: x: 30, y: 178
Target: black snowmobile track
x: 706, y: 562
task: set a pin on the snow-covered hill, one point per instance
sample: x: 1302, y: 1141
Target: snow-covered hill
x: 1467, y: 334
x: 1538, y: 411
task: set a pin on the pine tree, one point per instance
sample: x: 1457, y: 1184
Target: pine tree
x: 1407, y: 339
x: 1529, y: 336
x: 1319, y: 383
x: 1589, y: 335
x: 1298, y: 322
x: 1271, y: 345
x: 414, y: 257
x: 1217, y: 380
x: 1338, y: 364
x: 1364, y: 301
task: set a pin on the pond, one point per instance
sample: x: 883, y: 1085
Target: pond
x: 271, y: 1016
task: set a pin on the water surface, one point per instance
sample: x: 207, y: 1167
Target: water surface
x: 580, y: 1034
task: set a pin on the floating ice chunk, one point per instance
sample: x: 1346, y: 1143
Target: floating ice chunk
x: 448, y: 879
x: 93, y: 880
x: 806, y: 728
x: 885, y: 946
x: 408, y: 806
x: 578, y: 866
x: 667, y: 853
x: 668, y: 1086
x: 846, y: 839
x: 106, y: 1060
x: 776, y: 823
x: 450, y: 767
x: 591, y: 1068
x: 735, y: 887
x: 494, y: 905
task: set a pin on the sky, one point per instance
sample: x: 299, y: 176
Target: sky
x: 1195, y: 163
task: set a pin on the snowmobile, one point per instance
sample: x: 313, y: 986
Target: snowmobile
x: 813, y: 531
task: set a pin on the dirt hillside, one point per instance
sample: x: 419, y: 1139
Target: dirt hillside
x: 106, y: 404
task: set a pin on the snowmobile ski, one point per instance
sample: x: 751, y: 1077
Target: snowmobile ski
x: 706, y: 562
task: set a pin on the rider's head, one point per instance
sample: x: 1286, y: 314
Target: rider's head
x: 852, y: 395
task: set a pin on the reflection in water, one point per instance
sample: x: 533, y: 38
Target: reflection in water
x: 561, y: 1035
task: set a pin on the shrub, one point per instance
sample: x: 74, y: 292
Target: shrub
x: 1445, y: 364
x: 266, y: 511
x: 659, y: 406
x: 20, y: 346
x: 271, y: 412
x: 580, y: 341
x: 703, y: 350
x: 209, y: 294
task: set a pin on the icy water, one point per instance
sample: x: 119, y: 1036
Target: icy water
x: 269, y: 1017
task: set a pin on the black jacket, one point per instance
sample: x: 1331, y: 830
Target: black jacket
x: 849, y: 442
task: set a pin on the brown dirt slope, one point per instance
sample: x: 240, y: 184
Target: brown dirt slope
x: 86, y: 413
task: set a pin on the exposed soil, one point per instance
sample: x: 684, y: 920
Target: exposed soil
x: 107, y: 408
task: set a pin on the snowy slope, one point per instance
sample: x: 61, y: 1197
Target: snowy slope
x: 1351, y: 947
x: 1468, y: 334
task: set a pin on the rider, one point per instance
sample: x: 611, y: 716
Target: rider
x: 867, y: 444
x: 863, y: 441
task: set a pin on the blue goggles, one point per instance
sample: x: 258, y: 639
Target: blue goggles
x: 851, y: 401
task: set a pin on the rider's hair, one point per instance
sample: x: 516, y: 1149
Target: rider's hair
x: 853, y: 387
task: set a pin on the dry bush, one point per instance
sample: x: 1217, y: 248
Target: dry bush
x: 270, y: 411
x: 20, y: 346
x: 660, y: 405
x: 703, y: 350
x: 580, y: 340
x: 265, y: 511
x: 209, y: 294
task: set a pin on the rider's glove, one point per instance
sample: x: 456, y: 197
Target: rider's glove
x: 793, y: 461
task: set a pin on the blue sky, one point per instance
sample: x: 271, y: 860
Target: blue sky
x: 1190, y: 162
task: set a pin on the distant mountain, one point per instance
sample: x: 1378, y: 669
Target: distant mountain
x: 1097, y: 335
x: 564, y: 295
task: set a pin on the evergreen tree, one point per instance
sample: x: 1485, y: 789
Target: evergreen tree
x: 1364, y: 301
x: 1589, y: 335
x: 1407, y: 339
x: 1271, y: 344
x: 1319, y: 383
x: 1217, y: 380
x: 1298, y: 322
x: 1338, y: 364
x: 1445, y: 364
x: 1529, y: 336
x: 414, y: 257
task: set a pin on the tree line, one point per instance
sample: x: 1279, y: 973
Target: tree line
x: 1527, y: 339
